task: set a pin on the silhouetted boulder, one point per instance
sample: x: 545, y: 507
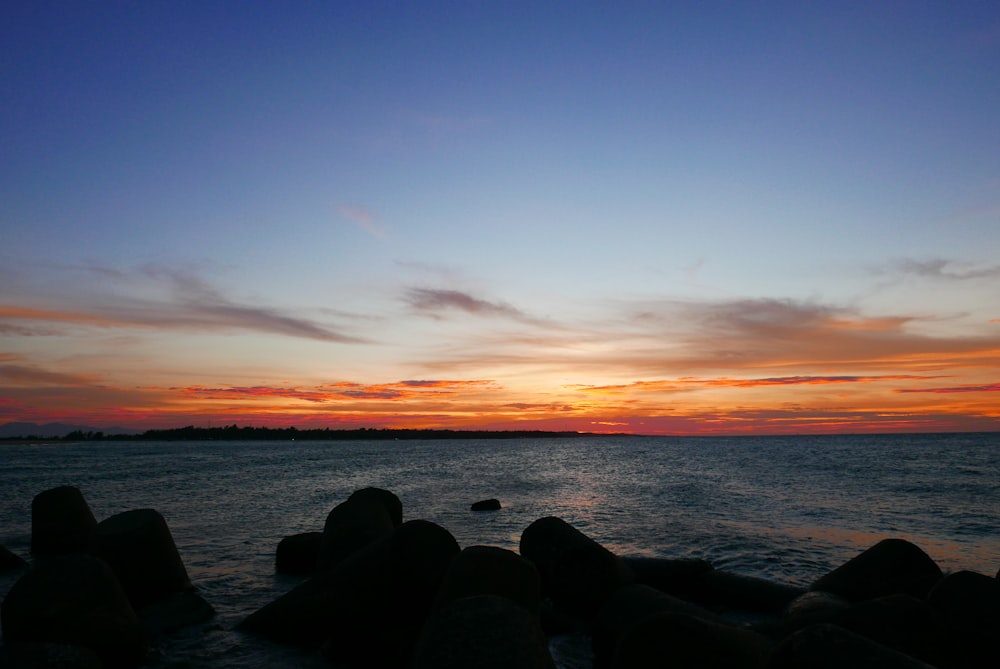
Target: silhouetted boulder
x: 488, y: 570
x: 61, y: 522
x: 74, y: 600
x: 138, y: 546
x: 815, y: 603
x: 828, y: 646
x: 174, y: 611
x: 369, y: 608
x: 969, y: 602
x: 890, y: 567
x: 809, y: 608
x: 486, y: 505
x: 298, y: 554
x: 388, y: 499
x: 485, y: 632
x: 716, y: 587
x: 682, y: 641
x: 10, y: 561
x: 577, y: 572
x: 629, y: 605
x: 903, y: 623
x: 674, y: 576
x: 365, y: 516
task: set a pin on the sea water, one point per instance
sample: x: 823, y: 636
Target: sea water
x: 784, y: 508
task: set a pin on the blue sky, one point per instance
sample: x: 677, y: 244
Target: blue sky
x: 533, y: 197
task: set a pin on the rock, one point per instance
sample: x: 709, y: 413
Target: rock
x: 388, y: 499
x: 10, y: 561
x: 675, y: 577
x: 629, y: 605
x: 139, y: 548
x: 826, y: 646
x: 370, y: 607
x: 577, y: 572
x: 174, y: 611
x: 61, y: 522
x: 890, y: 567
x: 485, y: 632
x: 748, y: 593
x: 815, y: 603
x: 903, y: 623
x: 969, y: 602
x: 356, y: 522
x: 682, y: 641
x: 74, y: 600
x: 488, y: 570
x: 298, y: 554
x: 48, y: 656
x: 486, y: 505
x: 809, y: 608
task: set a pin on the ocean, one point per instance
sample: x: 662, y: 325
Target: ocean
x: 787, y: 509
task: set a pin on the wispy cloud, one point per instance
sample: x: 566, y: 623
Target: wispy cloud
x: 753, y: 338
x: 364, y: 219
x: 22, y: 375
x: 189, y: 303
x: 983, y: 388
x: 944, y: 269
x: 434, y: 302
x: 688, y: 384
x: 344, y: 390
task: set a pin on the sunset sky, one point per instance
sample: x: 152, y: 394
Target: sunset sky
x: 663, y: 218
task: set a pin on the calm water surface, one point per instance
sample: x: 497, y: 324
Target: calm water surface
x: 784, y: 508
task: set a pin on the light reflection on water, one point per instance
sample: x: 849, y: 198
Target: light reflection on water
x: 781, y: 508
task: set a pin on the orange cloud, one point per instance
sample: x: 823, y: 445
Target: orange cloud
x: 23, y: 375
x: 344, y: 390
x: 986, y: 388
x: 685, y: 384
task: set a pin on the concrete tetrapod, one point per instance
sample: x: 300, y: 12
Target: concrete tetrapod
x: 484, y: 632
x: 61, y: 522
x: 578, y: 573
x: 138, y: 546
x: 74, y: 600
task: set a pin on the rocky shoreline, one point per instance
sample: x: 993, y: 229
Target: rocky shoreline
x: 378, y: 591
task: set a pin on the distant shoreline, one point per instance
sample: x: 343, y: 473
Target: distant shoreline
x: 234, y: 433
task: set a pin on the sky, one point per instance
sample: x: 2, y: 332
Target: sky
x: 660, y: 218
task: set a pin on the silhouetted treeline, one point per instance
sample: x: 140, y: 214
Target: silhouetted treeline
x: 236, y: 433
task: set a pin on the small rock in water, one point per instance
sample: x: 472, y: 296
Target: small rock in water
x: 486, y: 505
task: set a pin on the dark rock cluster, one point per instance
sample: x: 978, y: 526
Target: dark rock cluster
x: 97, y: 594
x: 378, y: 591
x: 891, y: 606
